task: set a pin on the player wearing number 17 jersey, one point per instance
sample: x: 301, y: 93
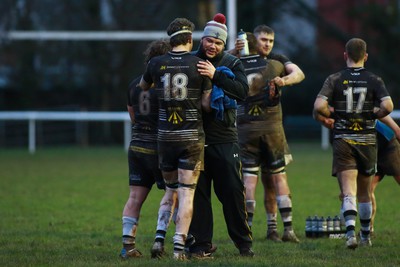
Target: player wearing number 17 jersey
x: 353, y: 94
x: 183, y: 93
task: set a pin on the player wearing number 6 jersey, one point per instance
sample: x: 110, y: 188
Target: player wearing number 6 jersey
x: 353, y: 94
x: 142, y: 154
x: 183, y: 93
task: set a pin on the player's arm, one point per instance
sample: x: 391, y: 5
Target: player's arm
x: 322, y: 112
x: 206, y: 101
x: 206, y: 96
x: 392, y: 124
x: 144, y: 85
x: 239, y: 45
x: 385, y: 108
x: 131, y: 113
x: 294, y: 75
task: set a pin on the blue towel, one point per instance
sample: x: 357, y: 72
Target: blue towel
x: 385, y: 130
x: 219, y: 101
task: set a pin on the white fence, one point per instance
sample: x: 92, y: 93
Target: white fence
x: 33, y: 116
x: 325, y: 132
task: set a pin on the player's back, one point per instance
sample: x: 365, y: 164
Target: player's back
x: 145, y: 108
x: 355, y: 92
x: 179, y: 88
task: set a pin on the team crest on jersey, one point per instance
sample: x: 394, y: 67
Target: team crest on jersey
x: 175, y: 118
x: 163, y: 67
x: 345, y: 82
x: 255, y: 111
x: 356, y: 127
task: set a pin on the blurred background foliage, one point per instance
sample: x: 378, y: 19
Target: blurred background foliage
x: 94, y: 75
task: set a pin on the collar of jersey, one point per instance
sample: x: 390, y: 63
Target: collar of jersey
x: 176, y: 53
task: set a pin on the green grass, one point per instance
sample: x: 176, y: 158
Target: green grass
x: 62, y: 207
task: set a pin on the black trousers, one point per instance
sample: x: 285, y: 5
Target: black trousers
x: 223, y: 167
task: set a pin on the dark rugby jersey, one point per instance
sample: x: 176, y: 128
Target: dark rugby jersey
x: 179, y: 88
x: 262, y: 97
x: 145, y: 107
x: 279, y: 57
x: 354, y: 92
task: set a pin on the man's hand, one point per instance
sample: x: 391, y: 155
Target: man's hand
x: 206, y: 68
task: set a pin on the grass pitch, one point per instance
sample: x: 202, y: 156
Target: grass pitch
x: 62, y: 207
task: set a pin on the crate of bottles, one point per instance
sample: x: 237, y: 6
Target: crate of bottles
x: 331, y: 227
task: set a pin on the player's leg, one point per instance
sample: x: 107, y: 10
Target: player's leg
x: 270, y: 206
x: 284, y: 203
x: 165, y: 212
x: 141, y: 180
x: 186, y: 189
x: 250, y: 179
x: 364, y: 207
x: 348, y: 182
x: 374, y: 184
x: 130, y: 219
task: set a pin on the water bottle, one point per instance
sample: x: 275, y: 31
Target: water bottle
x: 308, y: 229
x: 320, y: 231
x: 336, y: 224
x: 245, y: 50
x: 329, y: 225
x: 324, y: 227
x: 314, y: 226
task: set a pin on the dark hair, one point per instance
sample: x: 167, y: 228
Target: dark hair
x: 263, y: 28
x: 252, y: 41
x: 156, y: 48
x: 180, y: 24
x: 356, y: 49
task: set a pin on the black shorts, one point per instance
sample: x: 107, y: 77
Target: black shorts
x: 348, y: 155
x: 181, y: 155
x: 143, y: 165
x: 389, y: 158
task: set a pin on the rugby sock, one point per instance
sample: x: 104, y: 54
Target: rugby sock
x: 164, y: 218
x: 365, y: 212
x: 272, y: 222
x: 350, y: 214
x: 285, y: 209
x: 179, y: 242
x: 165, y: 213
x: 250, y: 206
x: 129, y: 227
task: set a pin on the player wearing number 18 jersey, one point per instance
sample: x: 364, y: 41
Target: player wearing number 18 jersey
x: 353, y: 94
x: 183, y: 93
